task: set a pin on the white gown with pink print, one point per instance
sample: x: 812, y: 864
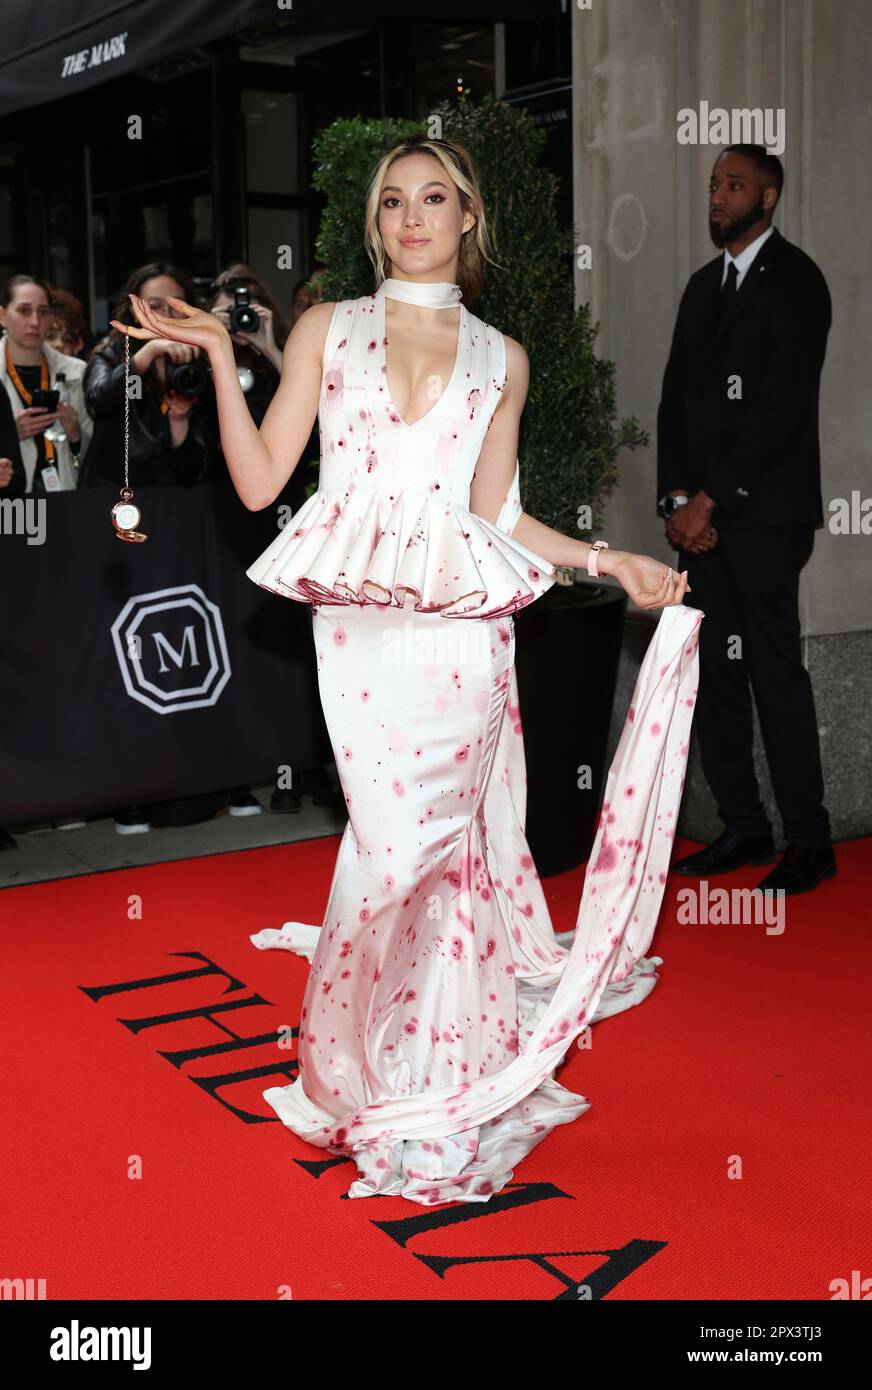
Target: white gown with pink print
x: 439, y: 1001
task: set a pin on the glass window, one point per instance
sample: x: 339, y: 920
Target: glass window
x: 5, y: 219
x: 271, y: 138
x: 538, y: 52
x: 174, y: 226
x: 59, y: 257
x: 268, y: 229
x: 448, y: 59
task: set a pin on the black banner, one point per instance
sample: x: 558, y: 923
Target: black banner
x: 137, y: 673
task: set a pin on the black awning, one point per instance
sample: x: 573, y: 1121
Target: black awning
x: 55, y: 48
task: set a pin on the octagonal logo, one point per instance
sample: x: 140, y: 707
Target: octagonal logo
x: 171, y: 649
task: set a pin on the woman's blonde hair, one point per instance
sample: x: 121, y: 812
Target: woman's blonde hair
x: 475, y: 244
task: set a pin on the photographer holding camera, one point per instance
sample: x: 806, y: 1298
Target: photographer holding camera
x: 167, y: 442
x: 167, y: 445
x: 244, y: 304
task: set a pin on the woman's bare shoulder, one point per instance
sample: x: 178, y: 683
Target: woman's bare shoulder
x: 514, y: 349
x: 517, y: 363
x: 316, y: 318
x: 309, y: 333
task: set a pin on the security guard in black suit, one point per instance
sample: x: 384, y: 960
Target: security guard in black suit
x: 739, y: 485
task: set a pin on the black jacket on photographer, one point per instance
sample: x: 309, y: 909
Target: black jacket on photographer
x: 11, y: 449
x: 152, y: 457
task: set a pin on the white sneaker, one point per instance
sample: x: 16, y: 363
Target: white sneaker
x: 132, y: 821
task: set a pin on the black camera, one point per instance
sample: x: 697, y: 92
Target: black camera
x: 188, y: 378
x: 243, y: 318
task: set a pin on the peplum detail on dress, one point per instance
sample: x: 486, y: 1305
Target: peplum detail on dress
x: 431, y: 554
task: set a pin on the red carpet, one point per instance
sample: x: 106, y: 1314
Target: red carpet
x: 751, y: 1056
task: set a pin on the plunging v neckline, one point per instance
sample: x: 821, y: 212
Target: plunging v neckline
x: 455, y: 370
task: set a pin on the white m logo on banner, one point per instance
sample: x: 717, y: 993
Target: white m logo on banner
x: 188, y: 640
x: 171, y: 649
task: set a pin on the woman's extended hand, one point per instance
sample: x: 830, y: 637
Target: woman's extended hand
x: 195, y: 326
x: 649, y: 582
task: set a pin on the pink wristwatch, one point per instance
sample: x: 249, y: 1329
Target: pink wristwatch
x: 592, y: 558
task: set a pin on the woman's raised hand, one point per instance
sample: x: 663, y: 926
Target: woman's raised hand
x: 195, y: 326
x: 649, y: 582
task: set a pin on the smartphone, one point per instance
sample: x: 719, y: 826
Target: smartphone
x: 48, y: 400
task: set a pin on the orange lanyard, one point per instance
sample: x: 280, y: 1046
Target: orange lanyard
x: 25, y: 394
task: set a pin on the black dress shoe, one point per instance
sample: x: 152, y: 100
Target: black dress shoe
x: 323, y: 790
x: 287, y: 799
x: 7, y: 841
x: 727, y: 852
x: 800, y: 868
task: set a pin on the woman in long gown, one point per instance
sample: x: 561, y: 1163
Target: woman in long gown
x: 439, y: 1001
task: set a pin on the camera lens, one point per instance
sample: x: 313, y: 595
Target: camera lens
x: 187, y: 378
x: 243, y: 317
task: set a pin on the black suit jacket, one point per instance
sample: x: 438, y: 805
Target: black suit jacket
x: 758, y: 456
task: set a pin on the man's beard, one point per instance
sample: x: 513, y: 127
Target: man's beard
x: 722, y: 233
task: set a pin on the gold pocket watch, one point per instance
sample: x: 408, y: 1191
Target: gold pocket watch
x: 126, y: 516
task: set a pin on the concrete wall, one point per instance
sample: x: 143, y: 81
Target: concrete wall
x: 641, y: 204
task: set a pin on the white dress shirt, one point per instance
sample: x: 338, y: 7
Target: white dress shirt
x: 744, y: 258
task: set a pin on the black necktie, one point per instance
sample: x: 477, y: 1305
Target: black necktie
x: 728, y: 293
